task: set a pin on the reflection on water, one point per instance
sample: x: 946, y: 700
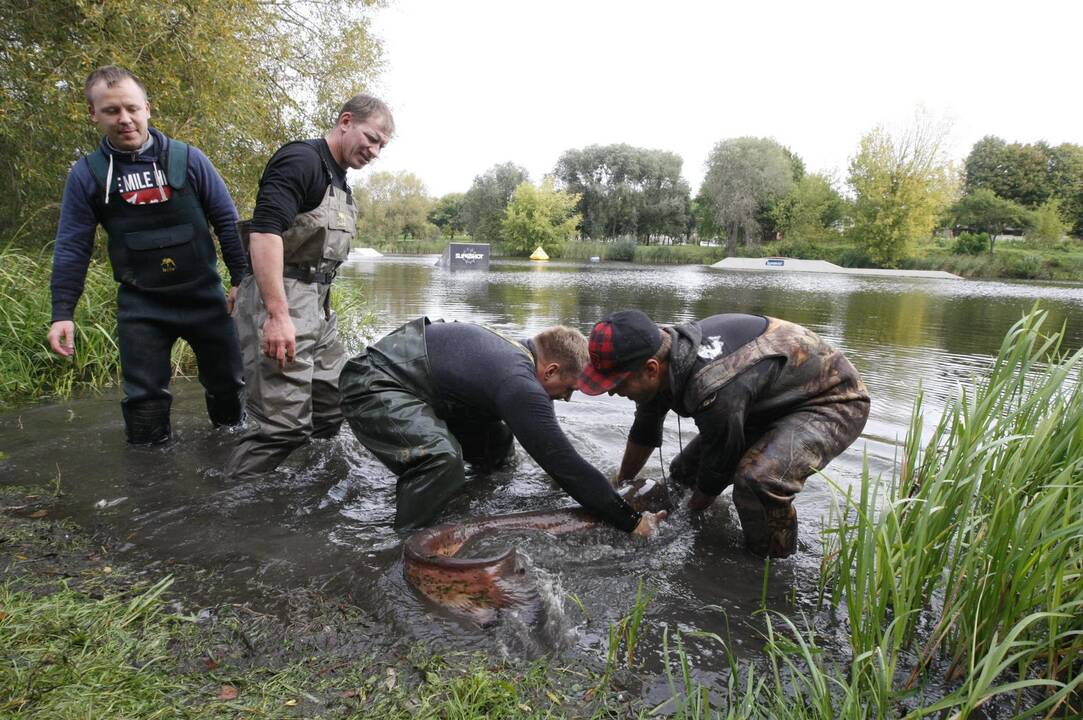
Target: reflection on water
x: 325, y: 518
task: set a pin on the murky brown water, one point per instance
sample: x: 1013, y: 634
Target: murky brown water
x: 324, y: 520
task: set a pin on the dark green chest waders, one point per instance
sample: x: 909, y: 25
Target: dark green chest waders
x: 163, y: 256
x: 395, y: 410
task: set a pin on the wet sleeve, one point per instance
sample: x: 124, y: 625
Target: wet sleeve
x: 220, y: 211
x: 291, y: 179
x: 647, y: 426
x: 528, y: 411
x: 74, y: 242
x: 722, y: 425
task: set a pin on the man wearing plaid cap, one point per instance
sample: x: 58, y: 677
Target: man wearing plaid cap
x: 772, y: 401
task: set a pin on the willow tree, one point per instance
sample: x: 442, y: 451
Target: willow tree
x: 235, y: 77
x: 901, y: 185
x: 744, y: 175
x: 393, y: 205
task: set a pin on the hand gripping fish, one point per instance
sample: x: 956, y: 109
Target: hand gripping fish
x: 480, y: 587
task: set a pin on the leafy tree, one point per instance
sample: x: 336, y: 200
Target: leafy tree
x: 447, y: 214
x: 1067, y: 172
x: 626, y: 190
x: 901, y: 184
x: 485, y: 201
x: 234, y: 77
x: 811, y: 211
x: 703, y: 219
x: 743, y: 174
x: 1046, y: 225
x: 393, y: 205
x: 1030, y: 174
x: 539, y: 215
x: 985, y: 211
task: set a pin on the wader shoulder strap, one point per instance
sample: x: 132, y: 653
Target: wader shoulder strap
x: 177, y: 164
x: 713, y: 376
x: 99, y: 165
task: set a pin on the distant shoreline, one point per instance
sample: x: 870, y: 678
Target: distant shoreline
x: 787, y: 264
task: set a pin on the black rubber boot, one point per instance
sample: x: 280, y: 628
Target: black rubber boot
x: 770, y: 530
x: 225, y: 409
x: 146, y: 422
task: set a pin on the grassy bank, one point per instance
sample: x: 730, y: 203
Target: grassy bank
x: 30, y: 371
x: 83, y: 636
x: 1019, y: 260
x: 410, y: 247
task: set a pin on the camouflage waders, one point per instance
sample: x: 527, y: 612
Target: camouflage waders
x: 819, y: 406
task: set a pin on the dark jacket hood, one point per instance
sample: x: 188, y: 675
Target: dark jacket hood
x: 685, y: 341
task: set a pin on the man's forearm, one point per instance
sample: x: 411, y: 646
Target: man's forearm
x: 635, y: 457
x: 266, y: 253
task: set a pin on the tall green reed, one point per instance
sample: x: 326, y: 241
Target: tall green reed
x: 974, y: 552
x: 29, y: 370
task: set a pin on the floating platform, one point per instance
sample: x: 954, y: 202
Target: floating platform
x: 465, y: 256
x: 364, y: 254
x: 785, y: 264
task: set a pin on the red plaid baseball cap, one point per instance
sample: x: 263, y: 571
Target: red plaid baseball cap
x: 618, y: 345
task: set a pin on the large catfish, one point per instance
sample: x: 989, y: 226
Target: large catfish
x: 480, y: 587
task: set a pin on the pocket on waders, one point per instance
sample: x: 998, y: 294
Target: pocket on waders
x: 340, y: 231
x: 161, y: 257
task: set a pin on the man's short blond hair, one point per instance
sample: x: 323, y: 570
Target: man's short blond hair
x: 565, y: 346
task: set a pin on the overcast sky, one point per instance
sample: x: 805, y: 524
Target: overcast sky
x: 474, y: 83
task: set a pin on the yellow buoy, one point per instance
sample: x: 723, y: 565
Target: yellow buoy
x: 539, y: 254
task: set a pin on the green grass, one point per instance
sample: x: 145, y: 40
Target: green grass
x: 29, y: 370
x: 71, y: 655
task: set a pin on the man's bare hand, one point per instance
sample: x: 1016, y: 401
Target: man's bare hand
x: 648, y: 523
x: 62, y: 337
x: 231, y: 299
x: 700, y: 501
x: 280, y: 339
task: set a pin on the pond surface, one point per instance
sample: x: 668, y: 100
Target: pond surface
x: 324, y: 520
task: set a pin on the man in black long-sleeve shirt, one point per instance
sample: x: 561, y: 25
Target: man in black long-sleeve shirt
x: 773, y: 404
x: 429, y: 397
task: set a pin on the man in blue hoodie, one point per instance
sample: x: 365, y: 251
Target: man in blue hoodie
x: 154, y: 197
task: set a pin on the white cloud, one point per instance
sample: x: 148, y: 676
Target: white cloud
x: 475, y: 83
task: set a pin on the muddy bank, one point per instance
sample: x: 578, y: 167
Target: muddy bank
x: 301, y: 653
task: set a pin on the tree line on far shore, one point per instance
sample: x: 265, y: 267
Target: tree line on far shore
x: 900, y: 189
